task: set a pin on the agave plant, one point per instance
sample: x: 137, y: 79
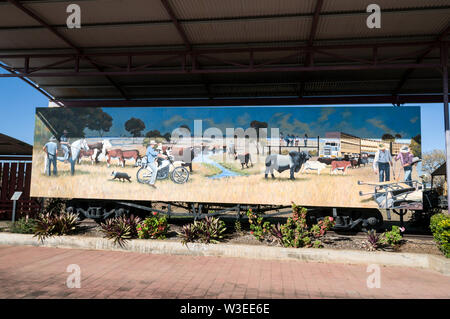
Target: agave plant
x: 187, y: 233
x: 66, y: 223
x: 373, y: 240
x: 49, y: 224
x: 211, y: 229
x: 45, y: 226
x: 120, y: 229
x: 276, y: 233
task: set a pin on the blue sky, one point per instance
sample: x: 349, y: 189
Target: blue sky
x: 369, y: 122
x: 19, y: 100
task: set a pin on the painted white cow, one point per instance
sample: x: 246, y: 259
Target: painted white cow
x: 314, y: 166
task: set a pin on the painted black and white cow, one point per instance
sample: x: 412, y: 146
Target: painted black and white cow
x: 244, y: 159
x: 281, y: 163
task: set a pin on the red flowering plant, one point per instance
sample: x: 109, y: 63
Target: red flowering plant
x: 258, y: 228
x: 154, y: 227
x: 295, y: 233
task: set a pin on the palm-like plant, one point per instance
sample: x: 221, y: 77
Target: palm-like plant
x: 373, y: 240
x: 120, y: 229
x: 50, y: 224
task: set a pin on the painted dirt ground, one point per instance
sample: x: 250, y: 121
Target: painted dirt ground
x: 309, y: 189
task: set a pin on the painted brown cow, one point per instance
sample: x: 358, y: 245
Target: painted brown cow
x: 90, y: 153
x: 340, y: 165
x: 94, y: 151
x: 130, y: 154
x: 114, y: 153
x: 121, y: 155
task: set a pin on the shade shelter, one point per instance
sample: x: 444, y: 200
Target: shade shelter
x: 235, y: 52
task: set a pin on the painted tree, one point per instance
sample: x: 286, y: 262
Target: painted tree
x: 74, y: 120
x: 186, y: 127
x: 388, y: 137
x: 100, y: 122
x: 135, y: 126
x: 153, y: 133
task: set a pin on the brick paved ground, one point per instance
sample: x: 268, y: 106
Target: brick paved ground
x: 40, y: 272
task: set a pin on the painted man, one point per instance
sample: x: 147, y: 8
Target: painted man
x: 152, y: 155
x: 406, y: 159
x: 381, y: 163
x: 64, y: 141
x: 51, y: 151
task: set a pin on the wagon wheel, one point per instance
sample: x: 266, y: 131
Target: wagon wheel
x: 143, y: 175
x: 179, y: 175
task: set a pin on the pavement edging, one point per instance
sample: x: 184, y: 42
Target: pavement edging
x: 432, y: 262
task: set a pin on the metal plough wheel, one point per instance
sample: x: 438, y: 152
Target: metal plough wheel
x: 179, y: 175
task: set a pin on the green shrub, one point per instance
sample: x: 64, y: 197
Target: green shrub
x: 208, y: 230
x: 153, y: 227
x: 440, y: 227
x: 295, y: 233
x: 237, y: 227
x: 23, y: 226
x: 49, y: 224
x: 120, y: 229
x: 393, y: 237
x: 258, y: 228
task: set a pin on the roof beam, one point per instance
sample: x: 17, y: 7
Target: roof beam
x: 176, y: 23
x: 31, y: 14
x: 221, y: 50
x: 237, y: 18
x: 51, y: 98
x: 316, y: 100
x: 221, y: 69
x: 407, y: 74
x: 312, y: 36
x: 186, y: 41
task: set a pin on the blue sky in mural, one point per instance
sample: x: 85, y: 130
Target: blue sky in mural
x: 19, y: 101
x: 370, y: 122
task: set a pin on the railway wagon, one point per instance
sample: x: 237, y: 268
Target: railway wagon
x: 176, y: 163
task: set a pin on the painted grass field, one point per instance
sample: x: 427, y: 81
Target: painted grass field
x: 309, y: 189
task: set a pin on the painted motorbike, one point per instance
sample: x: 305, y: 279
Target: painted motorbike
x: 166, y: 168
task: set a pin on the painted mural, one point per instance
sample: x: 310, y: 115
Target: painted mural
x: 314, y: 156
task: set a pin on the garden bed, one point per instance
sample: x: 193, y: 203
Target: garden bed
x: 255, y: 231
x: 330, y: 241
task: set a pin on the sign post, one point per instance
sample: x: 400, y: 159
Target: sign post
x: 15, y: 197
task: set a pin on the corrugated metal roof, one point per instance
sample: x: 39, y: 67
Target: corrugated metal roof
x: 145, y: 25
x: 392, y: 24
x: 336, y: 6
x: 283, y: 29
x: 198, y: 9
